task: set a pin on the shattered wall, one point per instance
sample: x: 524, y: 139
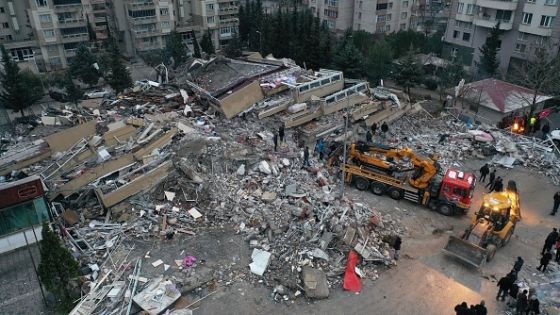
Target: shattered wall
x: 241, y: 99
x: 62, y: 141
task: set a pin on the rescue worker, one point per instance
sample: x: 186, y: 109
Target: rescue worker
x: 492, y: 179
x: 485, y: 170
x: 521, y: 306
x: 518, y: 264
x: 275, y: 139
x: 397, y: 246
x: 534, y: 306
x: 369, y: 137
x: 550, y: 240
x: 480, y: 309
x: 461, y: 309
x: 384, y: 127
x: 545, y: 130
x: 504, y: 284
x: 532, y: 123
x: 281, y: 133
x: 306, y: 157
x: 498, y: 184
x: 545, y: 259
x: 374, y: 129
x: 556, y: 203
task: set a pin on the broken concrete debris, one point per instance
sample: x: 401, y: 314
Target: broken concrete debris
x: 176, y: 169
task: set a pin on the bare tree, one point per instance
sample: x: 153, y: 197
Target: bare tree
x: 540, y: 72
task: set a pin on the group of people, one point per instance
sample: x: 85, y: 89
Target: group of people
x: 552, y: 240
x: 494, y: 183
x: 464, y: 309
x: 525, y: 302
x: 374, y: 130
x: 526, y: 124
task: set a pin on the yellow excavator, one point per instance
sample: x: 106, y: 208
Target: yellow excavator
x: 391, y: 160
x: 491, y: 228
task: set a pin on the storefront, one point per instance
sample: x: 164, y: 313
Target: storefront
x: 23, y: 209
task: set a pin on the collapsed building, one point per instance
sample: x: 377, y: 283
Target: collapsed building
x: 168, y: 161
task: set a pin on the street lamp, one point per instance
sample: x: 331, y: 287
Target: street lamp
x: 260, y: 43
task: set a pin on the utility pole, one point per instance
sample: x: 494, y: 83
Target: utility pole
x: 344, y: 152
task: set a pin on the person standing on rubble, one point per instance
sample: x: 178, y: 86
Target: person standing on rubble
x: 557, y: 246
x: 369, y: 137
x: 384, y: 127
x: 374, y: 129
x: 275, y: 139
x: 513, y: 292
x: 306, y: 157
x: 518, y: 264
x: 556, y: 203
x: 550, y: 240
x: 545, y: 130
x: 534, y: 307
x: 281, y: 133
x: 491, y: 180
x: 532, y: 123
x: 484, y: 170
x: 521, y: 305
x: 320, y: 148
x: 397, y: 246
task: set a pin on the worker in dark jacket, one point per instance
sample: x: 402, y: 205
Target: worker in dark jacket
x: 545, y: 130
x: 504, y: 284
x: 521, y: 306
x: 374, y: 129
x: 513, y: 291
x: 397, y: 246
x: 306, y: 157
x: 490, y: 184
x: 534, y: 306
x: 498, y: 184
x: 461, y: 309
x: 281, y: 133
x: 556, y: 203
x: 275, y: 139
x: 480, y: 309
x: 518, y: 264
x: 551, y: 238
x: 545, y: 259
x: 485, y: 170
x: 369, y: 137
x: 384, y: 127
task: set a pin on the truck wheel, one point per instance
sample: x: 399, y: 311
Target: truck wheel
x: 378, y: 188
x: 445, y: 209
x: 361, y: 183
x: 396, y: 193
x: 491, y: 250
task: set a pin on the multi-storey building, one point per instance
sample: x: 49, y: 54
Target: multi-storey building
x: 43, y: 34
x: 383, y: 16
x: 527, y: 26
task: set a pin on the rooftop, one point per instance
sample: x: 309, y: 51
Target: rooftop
x: 501, y: 96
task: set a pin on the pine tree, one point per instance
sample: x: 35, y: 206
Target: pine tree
x: 82, y: 66
x: 244, y: 22
x: 19, y: 89
x: 57, y: 266
x: 379, y: 61
x: 196, y: 47
x: 408, y: 72
x: 119, y: 77
x: 176, y: 49
x: 206, y: 43
x: 73, y: 92
x: 349, y: 60
x: 233, y: 48
x: 489, y: 60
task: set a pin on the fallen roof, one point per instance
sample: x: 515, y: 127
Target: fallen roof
x: 501, y: 96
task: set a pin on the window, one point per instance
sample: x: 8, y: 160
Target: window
x: 9, y: 37
x: 52, y: 48
x: 45, y: 18
x: 470, y: 8
x: 165, y: 24
x: 210, y: 7
x: 325, y: 81
x: 541, y: 40
x: 527, y: 18
x: 454, y: 52
x: 5, y: 25
x: 55, y: 61
x: 460, y: 7
x: 520, y: 48
x: 405, y: 4
x: 164, y: 12
x: 315, y: 84
x: 2, y: 10
x: 522, y: 36
x: 210, y: 19
x: 466, y: 36
x: 72, y: 31
x: 359, y: 27
x: 360, y: 4
x: 331, y: 24
x: 530, y: 1
x: 546, y: 21
x: 390, y: 5
x: 331, y: 13
x: 335, y: 78
x: 502, y: 15
x: 381, y: 6
x: 304, y: 88
x: 331, y: 3
x: 381, y: 18
x: 141, y: 13
x: 48, y: 33
x: 461, y: 24
x: 41, y: 3
x: 359, y: 15
x: 388, y: 17
x: 402, y: 27
x: 23, y: 215
x: 456, y: 34
x: 403, y: 15
x: 387, y: 28
x: 551, y: 2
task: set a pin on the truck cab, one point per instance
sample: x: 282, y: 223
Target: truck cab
x: 456, y: 191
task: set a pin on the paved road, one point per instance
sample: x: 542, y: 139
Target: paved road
x: 428, y: 282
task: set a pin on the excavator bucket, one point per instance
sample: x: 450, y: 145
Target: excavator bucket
x: 466, y: 251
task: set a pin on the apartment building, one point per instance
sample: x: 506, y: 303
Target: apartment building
x: 383, y: 16
x: 527, y: 26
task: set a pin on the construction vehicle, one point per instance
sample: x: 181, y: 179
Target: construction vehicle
x: 491, y: 228
x: 421, y: 181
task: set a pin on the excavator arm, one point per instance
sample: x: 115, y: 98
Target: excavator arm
x: 428, y: 170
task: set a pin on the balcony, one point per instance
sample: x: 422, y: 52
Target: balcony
x: 535, y: 30
x: 498, y: 4
x: 72, y: 22
x: 100, y: 19
x: 141, y: 4
x: 464, y: 17
x: 70, y: 52
x: 229, y: 10
x: 72, y: 38
x: 490, y: 22
x: 143, y: 20
x: 146, y: 33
